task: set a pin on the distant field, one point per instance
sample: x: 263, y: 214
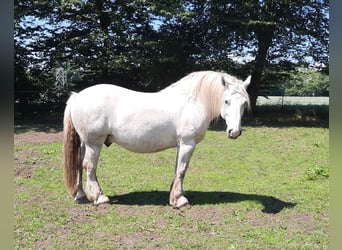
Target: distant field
x: 302, y: 104
x: 292, y: 100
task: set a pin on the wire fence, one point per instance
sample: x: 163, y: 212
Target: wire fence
x: 36, y: 106
x: 319, y: 103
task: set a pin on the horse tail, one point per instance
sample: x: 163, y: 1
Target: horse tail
x: 71, y: 151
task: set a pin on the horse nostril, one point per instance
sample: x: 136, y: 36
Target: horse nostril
x: 230, y: 134
x: 234, y: 135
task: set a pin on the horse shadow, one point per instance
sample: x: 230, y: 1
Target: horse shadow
x: 271, y: 205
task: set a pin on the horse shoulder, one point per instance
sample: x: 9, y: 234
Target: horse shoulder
x: 192, y: 123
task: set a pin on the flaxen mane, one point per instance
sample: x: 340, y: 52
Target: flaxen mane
x: 210, y: 90
x: 210, y: 87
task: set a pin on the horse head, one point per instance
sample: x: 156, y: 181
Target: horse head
x: 235, y: 100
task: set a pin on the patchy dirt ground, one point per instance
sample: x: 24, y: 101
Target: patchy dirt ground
x: 38, y: 138
x: 200, y: 220
x: 24, y: 160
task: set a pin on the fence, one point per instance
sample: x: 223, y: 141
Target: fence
x: 319, y: 104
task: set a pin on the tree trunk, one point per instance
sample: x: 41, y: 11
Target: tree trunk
x: 264, y: 36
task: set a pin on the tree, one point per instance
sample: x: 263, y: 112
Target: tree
x: 283, y: 33
x: 148, y: 44
x: 307, y: 82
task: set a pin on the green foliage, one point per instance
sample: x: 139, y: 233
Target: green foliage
x: 306, y: 82
x: 148, y: 44
x: 315, y: 173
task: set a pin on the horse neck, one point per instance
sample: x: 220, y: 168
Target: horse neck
x: 210, y: 95
x: 203, y: 88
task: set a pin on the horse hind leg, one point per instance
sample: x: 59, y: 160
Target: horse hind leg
x: 93, y: 190
x: 80, y: 196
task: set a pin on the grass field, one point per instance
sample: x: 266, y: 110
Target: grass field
x: 293, y: 100
x: 312, y: 105
x: 269, y: 189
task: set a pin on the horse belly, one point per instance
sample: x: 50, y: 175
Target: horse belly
x: 145, y: 138
x: 145, y: 142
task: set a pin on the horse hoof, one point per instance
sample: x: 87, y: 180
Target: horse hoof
x: 81, y: 198
x: 181, y: 203
x: 184, y: 206
x: 102, y: 199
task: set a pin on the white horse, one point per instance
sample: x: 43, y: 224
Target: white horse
x: 177, y: 116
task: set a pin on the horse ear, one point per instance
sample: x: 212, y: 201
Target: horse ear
x: 223, y: 81
x: 247, y: 81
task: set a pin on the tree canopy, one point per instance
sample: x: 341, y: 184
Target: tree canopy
x: 148, y: 44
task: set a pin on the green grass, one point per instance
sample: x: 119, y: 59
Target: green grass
x: 293, y: 100
x: 269, y: 189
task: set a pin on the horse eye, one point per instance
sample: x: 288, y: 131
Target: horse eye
x: 227, y: 102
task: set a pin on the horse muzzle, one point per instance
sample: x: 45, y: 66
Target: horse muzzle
x: 234, y: 134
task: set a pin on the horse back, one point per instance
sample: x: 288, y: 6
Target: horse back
x: 140, y: 122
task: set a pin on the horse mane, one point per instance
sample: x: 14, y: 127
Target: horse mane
x: 209, y: 90
x: 209, y: 87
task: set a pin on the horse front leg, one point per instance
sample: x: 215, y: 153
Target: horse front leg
x: 93, y: 190
x: 184, y: 152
